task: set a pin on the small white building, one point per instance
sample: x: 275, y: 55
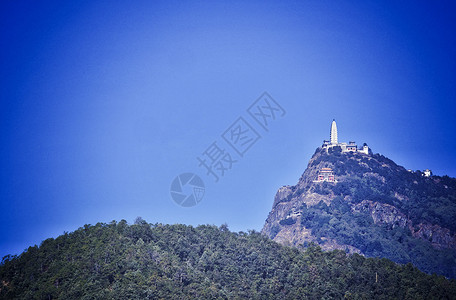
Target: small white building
x: 351, y: 147
x: 364, y: 150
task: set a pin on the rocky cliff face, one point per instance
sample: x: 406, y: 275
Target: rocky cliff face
x: 375, y: 208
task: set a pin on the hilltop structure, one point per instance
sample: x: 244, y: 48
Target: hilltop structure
x: 427, y: 173
x: 350, y: 147
x: 333, y: 133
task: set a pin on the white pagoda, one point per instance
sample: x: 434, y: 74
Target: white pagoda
x: 350, y: 147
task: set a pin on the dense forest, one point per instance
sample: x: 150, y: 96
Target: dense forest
x: 156, y: 261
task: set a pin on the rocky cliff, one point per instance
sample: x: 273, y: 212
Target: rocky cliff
x: 374, y: 207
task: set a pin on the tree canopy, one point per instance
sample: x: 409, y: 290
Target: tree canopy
x: 156, y: 261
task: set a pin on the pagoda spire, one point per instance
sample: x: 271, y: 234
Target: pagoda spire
x: 333, y: 134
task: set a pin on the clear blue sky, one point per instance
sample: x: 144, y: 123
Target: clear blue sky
x: 103, y: 103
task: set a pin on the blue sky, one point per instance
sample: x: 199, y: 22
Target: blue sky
x: 103, y: 103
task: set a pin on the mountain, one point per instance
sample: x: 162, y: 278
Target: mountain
x: 155, y: 261
x: 369, y: 206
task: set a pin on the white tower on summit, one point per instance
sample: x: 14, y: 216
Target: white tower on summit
x: 333, y: 134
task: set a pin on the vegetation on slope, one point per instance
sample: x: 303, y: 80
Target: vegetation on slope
x: 378, y: 179
x: 145, y: 261
x: 425, y: 199
x: 339, y: 223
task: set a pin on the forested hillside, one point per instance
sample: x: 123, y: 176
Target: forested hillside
x: 145, y: 261
x: 375, y: 208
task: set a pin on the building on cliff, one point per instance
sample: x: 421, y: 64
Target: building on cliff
x: 325, y: 174
x: 350, y: 147
x: 427, y: 173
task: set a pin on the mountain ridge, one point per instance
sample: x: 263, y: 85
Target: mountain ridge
x: 373, y: 207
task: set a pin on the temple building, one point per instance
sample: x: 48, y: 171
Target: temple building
x: 350, y: 147
x: 325, y: 174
